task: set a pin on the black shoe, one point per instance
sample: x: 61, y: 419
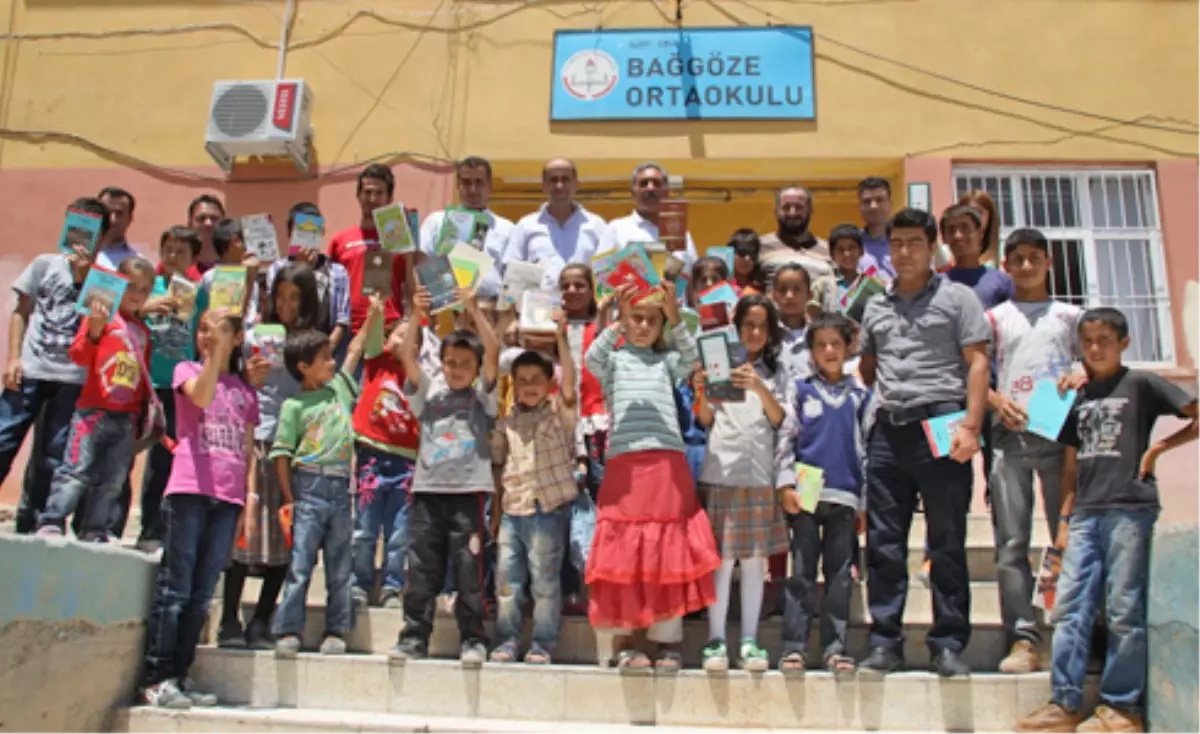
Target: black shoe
x: 880, y: 662
x: 407, y: 649
x: 948, y: 664
x: 258, y: 636
x: 230, y: 636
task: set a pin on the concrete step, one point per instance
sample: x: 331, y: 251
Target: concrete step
x: 564, y: 693
x: 250, y: 720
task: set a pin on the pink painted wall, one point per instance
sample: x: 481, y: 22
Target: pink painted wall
x: 938, y: 173
x: 1178, y: 193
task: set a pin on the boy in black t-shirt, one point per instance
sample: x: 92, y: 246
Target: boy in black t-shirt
x: 1112, y: 505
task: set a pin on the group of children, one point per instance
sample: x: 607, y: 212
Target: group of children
x: 276, y: 460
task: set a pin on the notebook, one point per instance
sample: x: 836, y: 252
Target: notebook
x: 518, y: 278
x: 377, y: 273
x: 602, y: 267
x: 1048, y: 410
x: 103, y: 285
x: 184, y: 291
x: 260, y: 238
x: 537, y: 311
x: 228, y: 288
x: 308, y: 232
x: 394, y: 234
x: 79, y: 228
x: 717, y: 360
x: 810, y: 481
x: 269, y: 339
x: 939, y: 431
x: 467, y: 258
x: 720, y: 293
x: 438, y: 278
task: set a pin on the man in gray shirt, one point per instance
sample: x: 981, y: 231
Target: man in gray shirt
x: 925, y: 352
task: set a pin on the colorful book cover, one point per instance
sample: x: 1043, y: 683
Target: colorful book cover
x: 269, y: 339
x: 260, y: 237
x: 691, y: 318
x: 377, y: 273
x: 720, y: 293
x: 104, y: 286
x: 466, y: 272
x: 482, y: 262
x: 79, y: 229
x: 940, y: 430
x: 184, y: 291
x: 460, y: 226
x: 602, y: 267
x: 714, y: 315
x: 438, y: 278
x: 672, y: 225
x: 633, y: 265
x: 537, y: 311
x: 656, y: 253
x: 308, y: 233
x: 228, y: 288
x: 414, y: 226
x: 726, y: 254
x: 391, y: 222
x: 518, y: 278
x: 861, y: 291
x: 717, y: 361
x: 810, y: 481
x: 1047, y: 409
x: 681, y: 286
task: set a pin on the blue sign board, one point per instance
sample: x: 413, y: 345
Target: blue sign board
x: 683, y: 74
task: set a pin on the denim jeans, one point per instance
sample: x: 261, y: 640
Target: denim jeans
x: 95, y: 465
x: 1107, y: 561
x: 1018, y: 457
x: 382, y: 503
x: 829, y: 534
x: 199, y: 534
x: 531, y: 557
x: 48, y: 406
x: 157, y: 471
x: 321, y: 521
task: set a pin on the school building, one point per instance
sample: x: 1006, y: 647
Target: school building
x: 1079, y: 118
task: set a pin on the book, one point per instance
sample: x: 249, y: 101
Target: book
x: 691, y: 318
x: 518, y: 278
x: 104, y: 286
x: 414, y: 226
x: 269, y: 339
x: 308, y: 232
x: 260, y: 238
x: 726, y: 254
x: 602, y: 267
x: 722, y: 292
x: 717, y: 361
x: 810, y: 481
x: 462, y: 226
x: 633, y: 265
x: 184, y: 291
x: 861, y: 290
x: 537, y: 311
x: 481, y: 263
x: 466, y: 273
x: 377, y: 273
x: 392, y: 223
x: 1047, y: 409
x: 673, y: 269
x: 228, y: 288
x: 713, y: 315
x: 940, y: 430
x: 1045, y: 587
x: 672, y: 225
x: 79, y: 229
x: 438, y: 278
x: 656, y: 253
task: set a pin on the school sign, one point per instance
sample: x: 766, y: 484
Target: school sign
x: 683, y: 74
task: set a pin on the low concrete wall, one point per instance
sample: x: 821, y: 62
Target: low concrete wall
x: 72, y: 621
x: 1174, y: 622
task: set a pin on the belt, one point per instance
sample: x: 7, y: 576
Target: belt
x: 342, y: 472
x: 904, y: 416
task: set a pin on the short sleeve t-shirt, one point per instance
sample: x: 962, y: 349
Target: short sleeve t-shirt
x: 48, y: 280
x: 171, y: 340
x: 383, y: 418
x: 210, y: 453
x: 1110, y: 426
x: 455, y: 456
x: 315, y: 428
x: 992, y: 286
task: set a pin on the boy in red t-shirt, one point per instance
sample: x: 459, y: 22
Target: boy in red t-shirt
x: 115, y: 349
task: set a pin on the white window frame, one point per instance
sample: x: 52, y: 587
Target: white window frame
x: 1087, y: 235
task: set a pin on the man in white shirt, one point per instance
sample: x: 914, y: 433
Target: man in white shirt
x: 113, y: 248
x: 474, y: 177
x: 561, y: 231
x: 649, y: 189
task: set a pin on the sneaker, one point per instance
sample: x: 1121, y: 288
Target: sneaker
x: 880, y: 662
x: 258, y: 635
x: 49, y: 531
x: 149, y: 547
x: 1051, y: 717
x: 230, y: 636
x: 1022, y: 658
x: 407, y: 649
x: 715, y: 656
x: 752, y: 657
x: 923, y: 574
x: 287, y: 646
x: 197, y: 696
x: 473, y: 654
x: 391, y: 599
x: 333, y: 645
x: 359, y: 598
x: 166, y: 695
x: 1107, y: 718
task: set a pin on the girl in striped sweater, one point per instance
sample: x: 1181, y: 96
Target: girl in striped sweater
x: 653, y: 555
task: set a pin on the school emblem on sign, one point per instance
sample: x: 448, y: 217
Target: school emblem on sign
x: 590, y: 75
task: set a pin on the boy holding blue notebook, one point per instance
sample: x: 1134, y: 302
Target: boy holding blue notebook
x: 1034, y: 339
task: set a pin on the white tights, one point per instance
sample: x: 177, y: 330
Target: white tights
x: 753, y: 578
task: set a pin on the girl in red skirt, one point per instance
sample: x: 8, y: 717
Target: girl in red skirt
x: 653, y: 555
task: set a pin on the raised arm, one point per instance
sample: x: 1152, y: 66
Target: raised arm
x: 567, y: 363
x: 487, y: 335
x: 354, y: 350
x: 410, y: 347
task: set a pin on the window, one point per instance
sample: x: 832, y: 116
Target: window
x: 1104, y: 237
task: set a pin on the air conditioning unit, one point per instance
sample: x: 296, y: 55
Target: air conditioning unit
x: 260, y: 118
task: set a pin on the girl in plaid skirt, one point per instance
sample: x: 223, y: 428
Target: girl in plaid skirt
x: 749, y: 456
x: 261, y: 548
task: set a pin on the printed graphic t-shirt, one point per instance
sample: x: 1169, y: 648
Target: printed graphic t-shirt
x: 171, y: 340
x: 1110, y: 426
x: 45, y: 352
x: 455, y: 455
x: 382, y: 417
x: 210, y: 453
x: 115, y: 381
x: 314, y: 426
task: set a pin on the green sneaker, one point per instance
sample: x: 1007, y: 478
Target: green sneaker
x: 716, y: 657
x: 752, y: 657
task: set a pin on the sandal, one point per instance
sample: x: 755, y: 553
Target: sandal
x: 842, y: 666
x: 668, y: 661
x: 633, y: 661
x: 537, y: 655
x: 793, y: 663
x: 505, y: 652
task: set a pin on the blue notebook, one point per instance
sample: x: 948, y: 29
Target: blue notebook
x: 105, y: 285
x: 1048, y: 410
x: 79, y: 228
x: 940, y: 431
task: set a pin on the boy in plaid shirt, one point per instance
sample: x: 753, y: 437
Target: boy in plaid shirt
x: 534, y: 446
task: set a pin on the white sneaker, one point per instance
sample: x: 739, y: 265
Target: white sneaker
x: 166, y: 695
x: 195, y: 695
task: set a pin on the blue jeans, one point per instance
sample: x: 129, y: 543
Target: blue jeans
x: 321, y: 521
x: 157, y: 471
x: 531, y: 557
x: 95, y: 466
x: 199, y: 534
x: 383, y: 483
x: 1107, y: 560
x: 48, y: 406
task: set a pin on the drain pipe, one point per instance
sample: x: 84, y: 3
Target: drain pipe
x: 288, y: 12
